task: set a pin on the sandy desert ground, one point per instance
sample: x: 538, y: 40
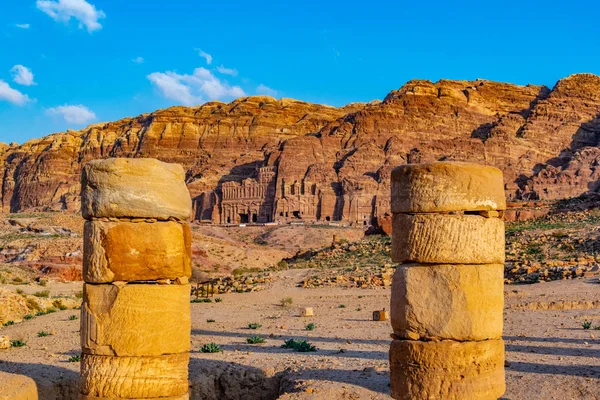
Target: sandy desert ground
x: 549, y: 354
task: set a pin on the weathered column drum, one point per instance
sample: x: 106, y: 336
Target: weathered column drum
x: 447, y: 293
x: 135, y: 317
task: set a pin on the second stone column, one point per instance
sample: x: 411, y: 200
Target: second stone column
x: 447, y: 293
x: 135, y: 318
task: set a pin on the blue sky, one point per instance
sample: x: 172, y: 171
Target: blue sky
x: 68, y: 63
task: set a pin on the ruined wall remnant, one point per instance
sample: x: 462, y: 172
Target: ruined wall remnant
x: 17, y: 387
x: 447, y: 293
x: 135, y: 317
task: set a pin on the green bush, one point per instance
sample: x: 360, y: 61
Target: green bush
x: 211, y: 348
x: 311, y: 326
x: 9, y: 323
x: 28, y: 317
x: 201, y: 300
x: 299, y: 345
x: 43, y: 293
x: 254, y: 325
x: 59, y: 304
x: 210, y: 320
x: 43, y: 334
x: 72, y: 317
x: 75, y: 358
x: 17, y: 343
x: 218, y: 299
x: 255, y: 340
x: 586, y: 324
x: 342, y: 306
x: 50, y: 310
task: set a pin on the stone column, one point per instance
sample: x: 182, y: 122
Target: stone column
x: 447, y: 293
x: 135, y: 316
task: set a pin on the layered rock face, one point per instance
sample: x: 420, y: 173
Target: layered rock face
x: 258, y: 159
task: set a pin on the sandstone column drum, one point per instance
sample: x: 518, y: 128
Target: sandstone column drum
x: 135, y: 317
x: 447, y: 293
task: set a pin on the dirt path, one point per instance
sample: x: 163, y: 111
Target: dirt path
x: 549, y: 354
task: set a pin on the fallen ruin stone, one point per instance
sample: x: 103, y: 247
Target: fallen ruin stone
x: 446, y: 186
x: 447, y: 370
x: 134, y: 377
x: 135, y: 319
x: 446, y: 301
x: 444, y: 238
x: 140, y: 187
x: 126, y: 251
x: 17, y: 387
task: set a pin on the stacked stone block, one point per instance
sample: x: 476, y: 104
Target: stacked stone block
x: 135, y: 318
x: 447, y: 293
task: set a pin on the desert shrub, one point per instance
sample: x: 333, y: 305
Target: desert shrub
x: 218, y: 299
x: 586, y: 324
x: 342, y: 306
x: 211, y: 348
x: 43, y: 334
x: 255, y: 340
x: 286, y: 301
x: 43, y: 282
x: 28, y: 317
x: 201, y: 300
x: 16, y: 280
x: 9, y: 323
x: 59, y: 304
x: 51, y: 310
x: 72, y: 317
x: 254, y: 325
x: 210, y: 320
x: 42, y: 294
x: 299, y: 345
x: 20, y: 291
x: 75, y: 358
x: 17, y: 343
x: 33, y: 305
x: 310, y: 327
x: 281, y: 265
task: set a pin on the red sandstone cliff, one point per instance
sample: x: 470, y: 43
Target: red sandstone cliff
x: 261, y: 159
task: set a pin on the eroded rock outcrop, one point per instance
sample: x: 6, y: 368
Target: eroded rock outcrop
x: 261, y: 159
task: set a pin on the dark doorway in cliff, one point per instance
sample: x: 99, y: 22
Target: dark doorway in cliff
x: 327, y: 219
x: 228, y: 220
x: 244, y: 218
x: 254, y: 218
x: 297, y: 214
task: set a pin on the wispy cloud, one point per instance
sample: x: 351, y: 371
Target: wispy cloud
x: 138, y: 60
x: 205, y: 55
x: 227, y: 71
x: 73, y: 114
x: 193, y: 89
x: 23, y: 26
x: 22, y: 75
x: 81, y: 10
x: 12, y: 95
x: 263, y: 89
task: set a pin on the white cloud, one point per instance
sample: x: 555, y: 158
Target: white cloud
x: 205, y: 55
x: 193, y: 89
x: 23, y: 26
x: 262, y: 89
x: 138, y: 60
x: 75, y: 114
x: 227, y: 71
x: 22, y: 75
x: 81, y: 10
x: 12, y: 95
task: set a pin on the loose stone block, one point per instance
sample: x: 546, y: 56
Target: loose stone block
x: 134, y: 187
x: 307, y: 312
x: 444, y: 238
x: 446, y: 186
x: 458, y: 302
x: 134, y: 377
x: 135, y: 319
x: 4, y: 342
x: 17, y: 387
x: 447, y: 370
x: 381, y: 315
x: 127, y: 251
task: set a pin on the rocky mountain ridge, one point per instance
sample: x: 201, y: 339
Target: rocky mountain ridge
x: 261, y: 159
